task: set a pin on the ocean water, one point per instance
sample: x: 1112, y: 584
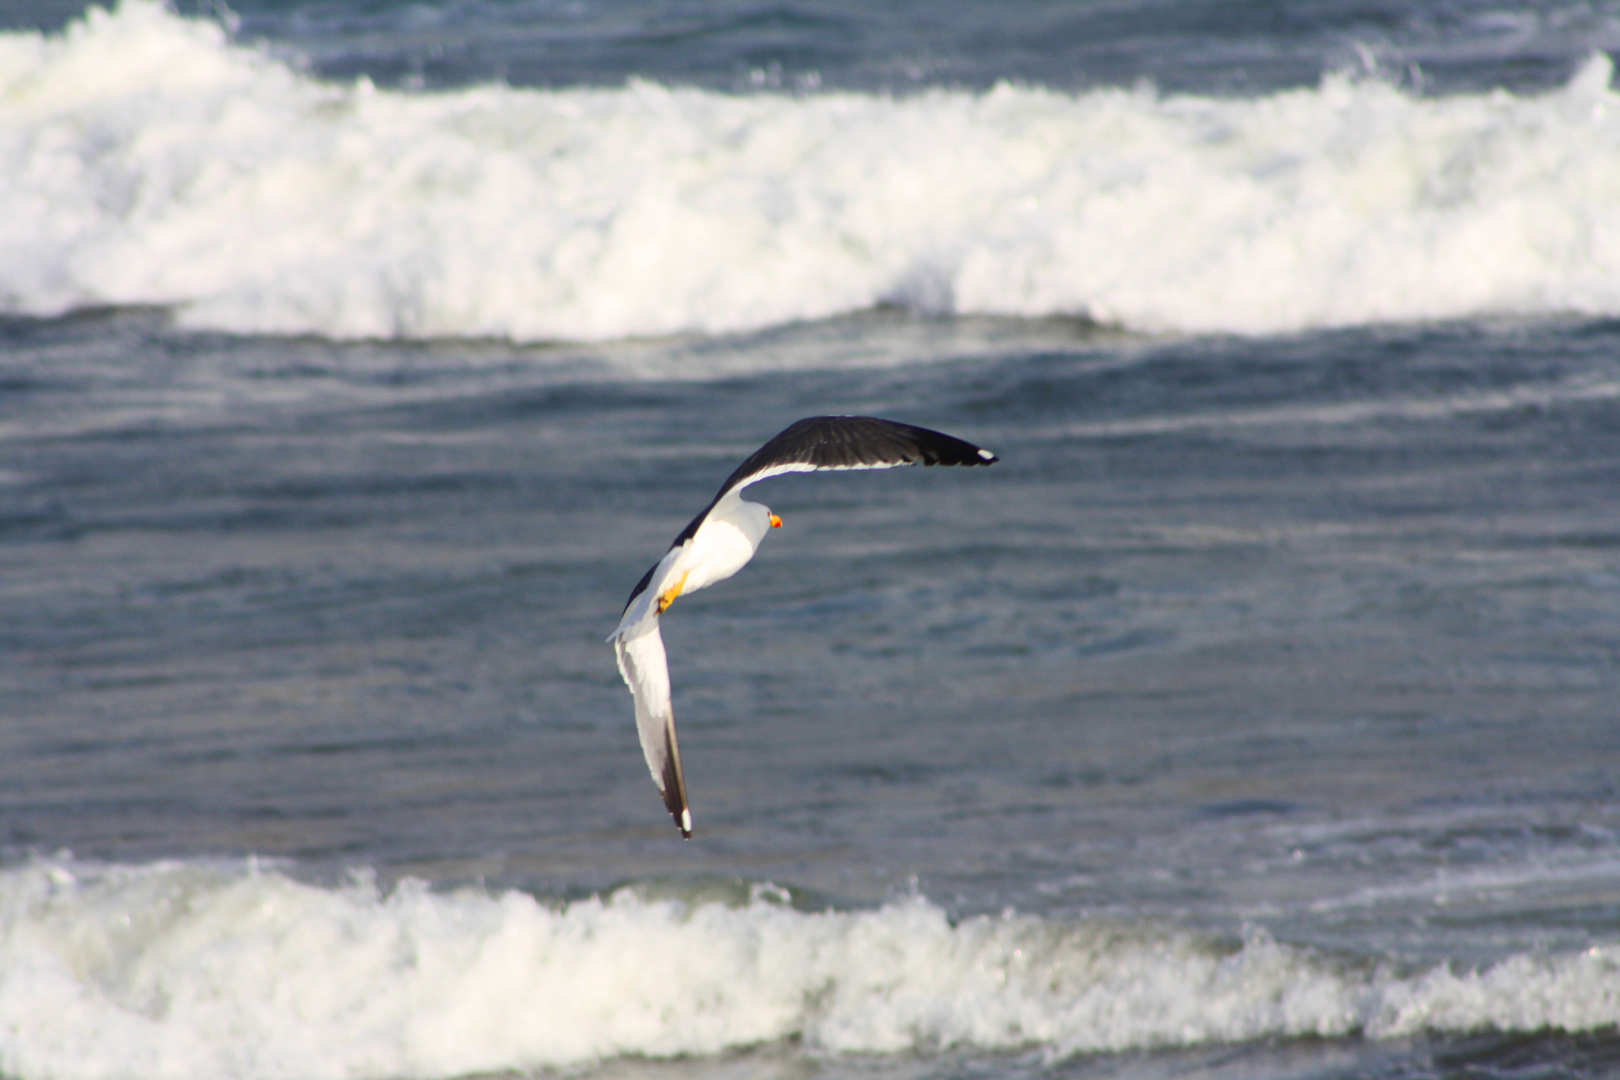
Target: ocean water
x: 1258, y: 715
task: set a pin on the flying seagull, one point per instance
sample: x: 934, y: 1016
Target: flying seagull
x: 724, y: 536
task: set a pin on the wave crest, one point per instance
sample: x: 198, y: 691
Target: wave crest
x: 191, y: 970
x: 151, y: 161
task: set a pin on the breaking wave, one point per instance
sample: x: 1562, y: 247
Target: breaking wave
x: 240, y: 970
x: 151, y: 160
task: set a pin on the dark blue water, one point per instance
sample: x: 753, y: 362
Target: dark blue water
x: 1180, y: 45
x: 1254, y: 716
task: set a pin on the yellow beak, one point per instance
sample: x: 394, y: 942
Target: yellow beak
x: 776, y: 522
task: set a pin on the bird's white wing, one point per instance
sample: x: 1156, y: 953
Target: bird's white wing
x: 640, y: 607
x: 646, y: 671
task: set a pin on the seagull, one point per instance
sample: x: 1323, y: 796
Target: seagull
x: 720, y: 541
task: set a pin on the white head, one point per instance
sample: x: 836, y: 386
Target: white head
x: 753, y: 520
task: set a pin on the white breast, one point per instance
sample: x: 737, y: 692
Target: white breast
x: 724, y: 543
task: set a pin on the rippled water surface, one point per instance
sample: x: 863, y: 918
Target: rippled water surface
x: 1302, y: 648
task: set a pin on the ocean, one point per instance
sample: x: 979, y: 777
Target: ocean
x: 1256, y: 716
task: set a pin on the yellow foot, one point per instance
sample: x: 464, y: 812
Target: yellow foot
x: 671, y: 593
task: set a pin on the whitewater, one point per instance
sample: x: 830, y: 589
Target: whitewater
x: 199, y: 969
x: 147, y: 159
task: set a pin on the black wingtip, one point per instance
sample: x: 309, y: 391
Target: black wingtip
x: 923, y: 446
x: 683, y: 818
x: 675, y: 786
x: 675, y: 803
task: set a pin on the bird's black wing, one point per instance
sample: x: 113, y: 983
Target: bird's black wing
x: 838, y: 442
x: 845, y: 442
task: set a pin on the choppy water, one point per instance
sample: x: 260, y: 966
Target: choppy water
x: 1255, y: 716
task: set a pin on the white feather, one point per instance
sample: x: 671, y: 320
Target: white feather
x: 646, y: 672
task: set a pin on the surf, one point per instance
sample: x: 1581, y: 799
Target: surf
x: 154, y: 160
x: 239, y: 968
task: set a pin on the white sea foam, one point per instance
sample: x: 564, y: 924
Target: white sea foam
x: 183, y: 970
x: 147, y: 159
